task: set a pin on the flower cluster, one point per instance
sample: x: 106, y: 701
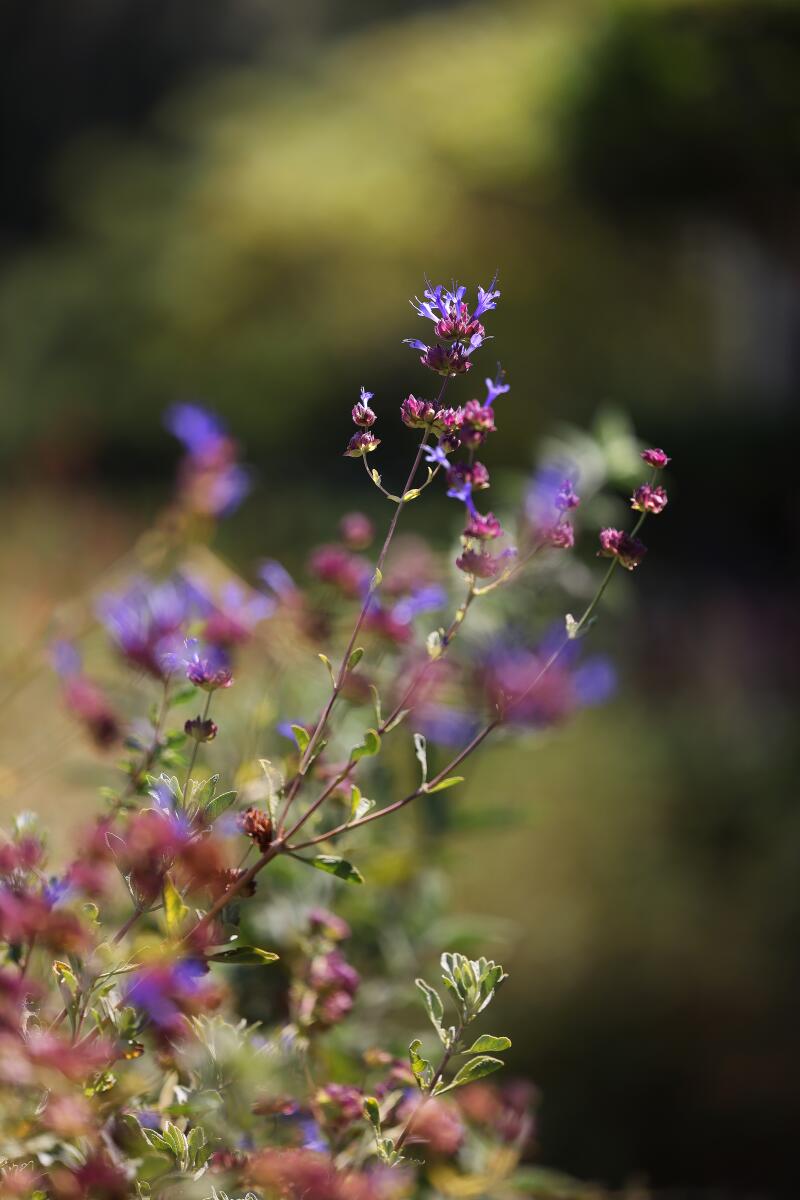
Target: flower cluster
x: 150, y: 1044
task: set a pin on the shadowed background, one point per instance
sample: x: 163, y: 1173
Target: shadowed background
x: 233, y: 202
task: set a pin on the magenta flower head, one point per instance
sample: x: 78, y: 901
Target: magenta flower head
x: 357, y: 530
x: 560, y: 536
x: 417, y: 414
x: 616, y: 543
x: 362, y: 413
x: 361, y: 444
x: 328, y: 924
x: 479, y: 563
x: 455, y: 324
x: 656, y: 458
x: 483, y: 526
x: 475, y: 474
x: 649, y: 499
x: 477, y: 422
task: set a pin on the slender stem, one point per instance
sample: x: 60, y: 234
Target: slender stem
x: 342, y: 672
x: 195, y: 748
x: 150, y: 754
x: 242, y: 882
x: 423, y: 1100
x: 376, y: 814
x: 129, y: 924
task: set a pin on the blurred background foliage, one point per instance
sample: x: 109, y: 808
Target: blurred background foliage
x: 233, y: 201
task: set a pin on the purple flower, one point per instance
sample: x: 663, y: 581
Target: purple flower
x: 211, y: 482
x: 566, y: 497
x: 362, y: 414
x: 422, y: 600
x: 207, y: 667
x: 656, y: 458
x: 495, y: 388
x: 278, y: 579
x: 333, y: 971
x: 526, y: 691
x: 146, y: 622
x: 435, y: 456
x: 165, y: 992
x: 549, y: 496
x: 200, y: 431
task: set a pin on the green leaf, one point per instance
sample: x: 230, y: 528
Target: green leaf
x: 421, y: 1067
x: 175, y: 911
x: 355, y: 658
x: 487, y: 1044
x: 302, y: 737
x: 176, y: 1140
x: 443, y: 784
x: 196, y: 1141
x: 370, y: 746
x: 339, y: 867
x: 433, y: 1003
x: 412, y: 495
x: 476, y: 1068
x: 421, y: 751
x: 324, y: 658
x: 220, y: 804
x: 183, y: 695
x: 377, y: 579
x: 376, y: 700
x: 244, y: 956
x: 395, y: 721
x: 156, y: 1141
x: 359, y: 805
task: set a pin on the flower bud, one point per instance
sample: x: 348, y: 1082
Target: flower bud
x: 363, y: 415
x: 200, y: 730
x: 361, y: 444
x: 616, y: 543
x: 257, y: 825
x: 656, y: 458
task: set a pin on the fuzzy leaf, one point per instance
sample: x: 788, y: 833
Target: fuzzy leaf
x: 220, y: 804
x: 324, y: 658
x: 443, y: 784
x: 487, y: 1044
x: 244, y: 956
x: 421, y: 1067
x: 339, y: 867
x: 476, y: 1068
x: 370, y: 746
x: 359, y: 805
x: 355, y: 658
x: 302, y: 737
x: 175, y: 910
x: 433, y: 1003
